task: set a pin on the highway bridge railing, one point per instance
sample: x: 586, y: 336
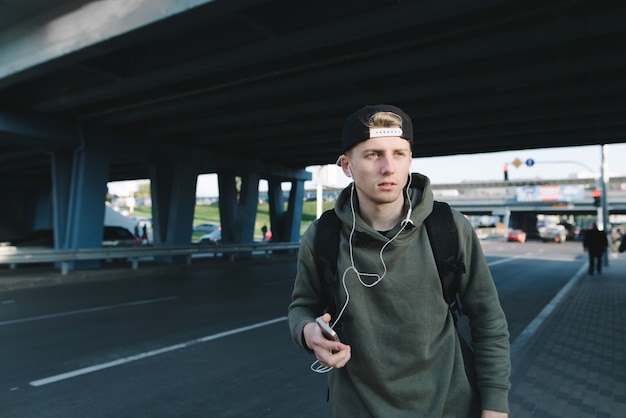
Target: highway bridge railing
x: 14, y: 256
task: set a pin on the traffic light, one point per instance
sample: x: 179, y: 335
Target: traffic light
x: 597, y: 194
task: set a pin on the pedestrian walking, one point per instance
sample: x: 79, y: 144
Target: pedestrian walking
x: 398, y: 352
x: 595, y: 243
x: 144, y: 234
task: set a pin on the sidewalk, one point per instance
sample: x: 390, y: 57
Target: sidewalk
x: 574, y: 364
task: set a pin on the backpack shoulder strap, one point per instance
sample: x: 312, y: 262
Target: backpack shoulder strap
x: 326, y: 247
x: 442, y: 234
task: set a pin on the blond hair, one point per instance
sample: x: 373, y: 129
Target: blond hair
x: 384, y: 120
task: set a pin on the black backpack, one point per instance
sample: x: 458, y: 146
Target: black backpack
x: 442, y: 235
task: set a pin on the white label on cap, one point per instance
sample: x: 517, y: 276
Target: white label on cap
x: 380, y: 132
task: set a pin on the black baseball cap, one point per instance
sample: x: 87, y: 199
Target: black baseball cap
x: 355, y: 131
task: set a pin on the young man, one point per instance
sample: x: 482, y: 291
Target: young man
x: 399, y: 354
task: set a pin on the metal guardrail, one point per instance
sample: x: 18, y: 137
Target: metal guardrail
x: 15, y: 255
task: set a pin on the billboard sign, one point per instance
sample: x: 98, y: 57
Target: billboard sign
x: 552, y: 193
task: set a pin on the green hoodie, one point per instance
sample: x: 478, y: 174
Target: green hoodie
x: 407, y: 358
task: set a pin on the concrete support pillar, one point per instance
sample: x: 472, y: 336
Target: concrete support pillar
x: 294, y: 211
x: 85, y: 216
x: 248, y: 203
x: 227, y: 185
x: 85, y: 221
x: 286, y: 222
x: 277, y: 209
x: 238, y: 207
x: 173, y: 189
x: 61, y: 183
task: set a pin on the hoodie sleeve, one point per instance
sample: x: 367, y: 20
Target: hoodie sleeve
x: 489, y: 329
x: 307, y: 301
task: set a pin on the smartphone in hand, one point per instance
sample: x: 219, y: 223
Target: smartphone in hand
x: 328, y: 332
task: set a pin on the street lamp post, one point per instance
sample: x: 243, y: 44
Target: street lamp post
x: 604, y: 207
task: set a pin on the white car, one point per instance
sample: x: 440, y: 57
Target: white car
x: 556, y: 233
x: 207, y: 227
x: 212, y: 237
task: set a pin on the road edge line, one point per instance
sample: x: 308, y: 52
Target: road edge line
x: 531, y: 329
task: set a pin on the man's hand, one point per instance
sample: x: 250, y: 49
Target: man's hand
x: 494, y: 414
x: 329, y: 353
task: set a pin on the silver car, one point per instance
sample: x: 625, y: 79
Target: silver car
x: 556, y: 233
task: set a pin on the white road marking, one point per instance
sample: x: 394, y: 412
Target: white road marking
x: 81, y: 311
x: 504, y: 260
x: 140, y: 356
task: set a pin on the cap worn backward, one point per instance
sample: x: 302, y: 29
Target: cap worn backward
x: 355, y: 130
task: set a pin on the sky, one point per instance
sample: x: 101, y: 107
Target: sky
x: 549, y: 164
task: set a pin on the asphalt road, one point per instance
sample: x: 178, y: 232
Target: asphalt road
x: 209, y: 342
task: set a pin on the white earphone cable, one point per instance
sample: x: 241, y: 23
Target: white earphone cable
x: 316, y: 366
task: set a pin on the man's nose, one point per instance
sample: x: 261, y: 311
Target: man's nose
x: 388, y: 165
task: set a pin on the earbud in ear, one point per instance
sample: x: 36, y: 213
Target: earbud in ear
x: 349, y: 172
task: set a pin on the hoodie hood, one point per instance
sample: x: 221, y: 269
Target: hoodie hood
x: 421, y: 204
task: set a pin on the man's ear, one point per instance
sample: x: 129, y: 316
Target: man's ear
x: 345, y: 166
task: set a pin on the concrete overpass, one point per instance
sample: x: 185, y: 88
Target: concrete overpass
x: 517, y: 204
x: 558, y: 197
x: 98, y: 91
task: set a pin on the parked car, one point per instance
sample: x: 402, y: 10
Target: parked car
x: 571, y: 229
x: 113, y: 236
x: 516, y: 235
x: 207, y: 227
x: 37, y: 238
x: 117, y: 236
x: 556, y: 233
x: 212, y: 238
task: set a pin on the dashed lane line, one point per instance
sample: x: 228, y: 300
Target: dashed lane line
x: 141, y: 356
x: 88, y: 310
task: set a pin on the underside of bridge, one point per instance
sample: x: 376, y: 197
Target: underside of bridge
x: 271, y: 81
x: 97, y: 91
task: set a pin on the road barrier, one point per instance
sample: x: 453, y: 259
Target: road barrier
x: 15, y: 255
